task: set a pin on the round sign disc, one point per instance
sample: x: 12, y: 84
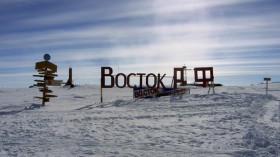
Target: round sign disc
x: 47, y: 57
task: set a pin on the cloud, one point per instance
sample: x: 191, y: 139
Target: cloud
x: 136, y: 36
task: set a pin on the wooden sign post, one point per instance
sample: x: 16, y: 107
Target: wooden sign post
x: 46, y: 70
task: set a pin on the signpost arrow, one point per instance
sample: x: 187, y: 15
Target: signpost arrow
x: 51, y: 96
x: 47, y: 91
x: 46, y: 64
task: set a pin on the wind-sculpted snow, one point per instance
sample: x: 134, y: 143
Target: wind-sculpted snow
x: 237, y: 121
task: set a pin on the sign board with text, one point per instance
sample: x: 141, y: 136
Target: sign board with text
x: 158, y: 92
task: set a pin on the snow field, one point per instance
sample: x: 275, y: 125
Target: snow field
x: 236, y: 121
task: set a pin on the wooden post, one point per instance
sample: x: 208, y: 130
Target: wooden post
x: 70, y: 80
x: 45, y: 84
x: 267, y: 79
x: 211, y: 85
x: 101, y: 92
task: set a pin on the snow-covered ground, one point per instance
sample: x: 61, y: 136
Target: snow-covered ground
x: 236, y: 121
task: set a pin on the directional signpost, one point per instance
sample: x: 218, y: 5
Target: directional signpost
x: 46, y: 70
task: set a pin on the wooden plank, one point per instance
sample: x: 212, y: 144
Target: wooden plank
x: 52, y: 75
x: 47, y: 91
x: 46, y: 64
x: 54, y: 82
x: 38, y: 75
x: 39, y: 80
x: 46, y: 99
x: 40, y: 84
x: 48, y: 74
x: 45, y: 75
x: 44, y: 70
x: 51, y: 96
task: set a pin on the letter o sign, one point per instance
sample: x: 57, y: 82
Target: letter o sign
x: 117, y: 80
x: 155, y: 80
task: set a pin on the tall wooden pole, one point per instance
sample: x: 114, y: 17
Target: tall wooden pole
x: 45, y: 85
x: 101, y: 92
x: 266, y: 86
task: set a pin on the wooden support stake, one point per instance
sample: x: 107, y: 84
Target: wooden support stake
x: 101, y: 92
x: 211, y: 85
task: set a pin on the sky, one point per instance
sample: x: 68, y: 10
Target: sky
x: 240, y: 39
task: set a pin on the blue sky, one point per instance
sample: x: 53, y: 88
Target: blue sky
x: 239, y: 38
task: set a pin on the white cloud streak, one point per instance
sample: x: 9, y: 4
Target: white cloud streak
x: 193, y: 38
